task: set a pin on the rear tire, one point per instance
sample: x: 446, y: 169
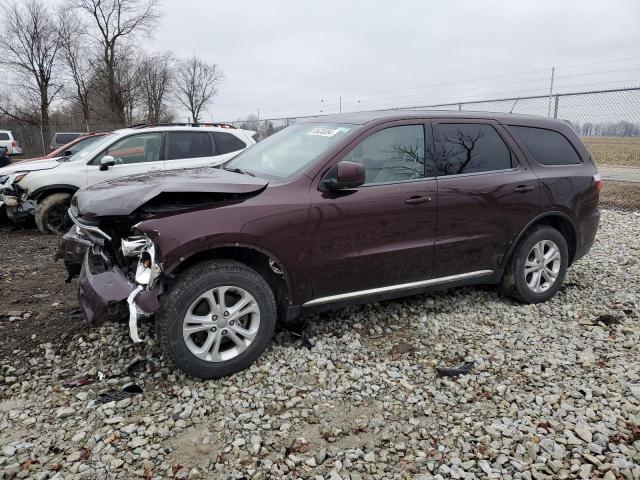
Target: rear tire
x: 198, y: 328
x: 51, y: 214
x: 537, y: 267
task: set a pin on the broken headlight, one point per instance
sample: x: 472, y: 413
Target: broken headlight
x: 133, y: 246
x: 147, y: 270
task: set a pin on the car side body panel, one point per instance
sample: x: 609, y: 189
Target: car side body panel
x: 480, y: 214
x: 275, y: 222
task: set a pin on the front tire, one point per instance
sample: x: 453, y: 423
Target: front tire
x: 51, y: 214
x: 216, y: 319
x: 537, y: 267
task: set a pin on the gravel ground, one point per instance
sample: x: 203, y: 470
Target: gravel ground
x: 554, y: 391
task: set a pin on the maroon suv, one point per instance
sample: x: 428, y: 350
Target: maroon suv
x: 333, y: 211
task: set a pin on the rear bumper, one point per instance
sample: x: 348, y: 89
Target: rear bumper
x: 102, y: 296
x: 588, y: 231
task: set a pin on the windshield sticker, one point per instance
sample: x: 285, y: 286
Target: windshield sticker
x: 326, y: 132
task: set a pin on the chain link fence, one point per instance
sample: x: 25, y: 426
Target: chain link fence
x: 35, y: 141
x: 607, y: 120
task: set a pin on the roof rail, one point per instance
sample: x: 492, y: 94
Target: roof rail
x: 171, y: 124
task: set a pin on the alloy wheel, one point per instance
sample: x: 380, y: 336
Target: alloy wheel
x: 221, y: 323
x: 542, y: 266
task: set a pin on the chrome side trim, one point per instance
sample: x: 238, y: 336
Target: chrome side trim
x: 89, y: 228
x: 394, y: 288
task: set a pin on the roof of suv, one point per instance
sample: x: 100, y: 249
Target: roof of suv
x: 165, y: 127
x: 361, y: 118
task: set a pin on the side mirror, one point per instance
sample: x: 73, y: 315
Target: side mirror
x: 67, y: 153
x: 106, y: 162
x: 343, y: 176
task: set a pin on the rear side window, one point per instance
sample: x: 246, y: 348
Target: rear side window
x: 546, y: 146
x: 189, y: 145
x: 470, y: 148
x: 227, y: 143
x: 64, y: 138
x: 4, y: 136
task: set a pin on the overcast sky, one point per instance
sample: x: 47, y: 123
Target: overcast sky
x: 298, y: 57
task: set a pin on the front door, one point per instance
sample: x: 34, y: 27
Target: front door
x: 382, y: 233
x: 138, y: 153
x: 487, y: 193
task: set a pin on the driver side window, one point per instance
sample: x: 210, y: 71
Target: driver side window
x: 394, y: 154
x: 140, y: 148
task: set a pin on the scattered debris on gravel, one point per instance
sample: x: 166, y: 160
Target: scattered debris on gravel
x: 554, y: 391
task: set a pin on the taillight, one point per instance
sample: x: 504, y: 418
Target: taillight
x: 597, y: 179
x: 14, y: 144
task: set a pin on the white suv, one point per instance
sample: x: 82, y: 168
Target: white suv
x: 7, y: 140
x: 44, y: 188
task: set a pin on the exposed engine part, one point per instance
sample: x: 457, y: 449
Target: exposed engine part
x: 275, y: 267
x: 132, y: 246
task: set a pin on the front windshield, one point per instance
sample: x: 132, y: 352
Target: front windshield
x: 91, y: 148
x: 289, y: 150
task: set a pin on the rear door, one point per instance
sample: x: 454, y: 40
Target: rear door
x: 487, y: 193
x: 189, y: 149
x: 138, y: 153
x: 382, y: 233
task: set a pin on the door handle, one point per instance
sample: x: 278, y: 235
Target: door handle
x: 416, y: 200
x: 523, y: 188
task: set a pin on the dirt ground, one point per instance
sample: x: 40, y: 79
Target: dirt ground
x: 621, y: 195
x: 616, y: 151
x: 32, y: 288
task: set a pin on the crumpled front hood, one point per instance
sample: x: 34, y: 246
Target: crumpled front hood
x: 29, y: 166
x: 124, y: 195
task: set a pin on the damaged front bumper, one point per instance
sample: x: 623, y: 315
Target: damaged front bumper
x: 17, y: 210
x: 117, y: 277
x: 18, y: 206
x: 108, y: 295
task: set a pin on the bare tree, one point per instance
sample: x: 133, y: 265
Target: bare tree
x: 196, y: 84
x: 29, y: 47
x: 79, y: 60
x: 156, y: 75
x: 127, y: 76
x: 117, y: 21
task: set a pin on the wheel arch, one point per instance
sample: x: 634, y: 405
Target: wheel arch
x: 254, y: 257
x: 39, y: 193
x: 558, y: 220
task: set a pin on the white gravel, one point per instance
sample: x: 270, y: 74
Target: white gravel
x: 553, y: 393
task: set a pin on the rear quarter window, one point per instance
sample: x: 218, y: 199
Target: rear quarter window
x: 227, y: 142
x: 4, y: 136
x: 547, y: 146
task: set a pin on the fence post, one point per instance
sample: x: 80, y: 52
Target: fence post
x: 555, y: 106
x: 459, y: 106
